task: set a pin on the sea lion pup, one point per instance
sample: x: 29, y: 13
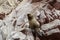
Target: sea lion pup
x: 34, y: 25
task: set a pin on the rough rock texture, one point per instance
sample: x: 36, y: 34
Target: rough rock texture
x: 14, y: 23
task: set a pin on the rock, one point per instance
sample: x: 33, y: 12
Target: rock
x: 2, y: 16
x: 16, y: 35
x: 2, y: 35
x: 36, y: 1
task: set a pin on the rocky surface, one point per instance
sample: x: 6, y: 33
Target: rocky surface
x: 14, y: 23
